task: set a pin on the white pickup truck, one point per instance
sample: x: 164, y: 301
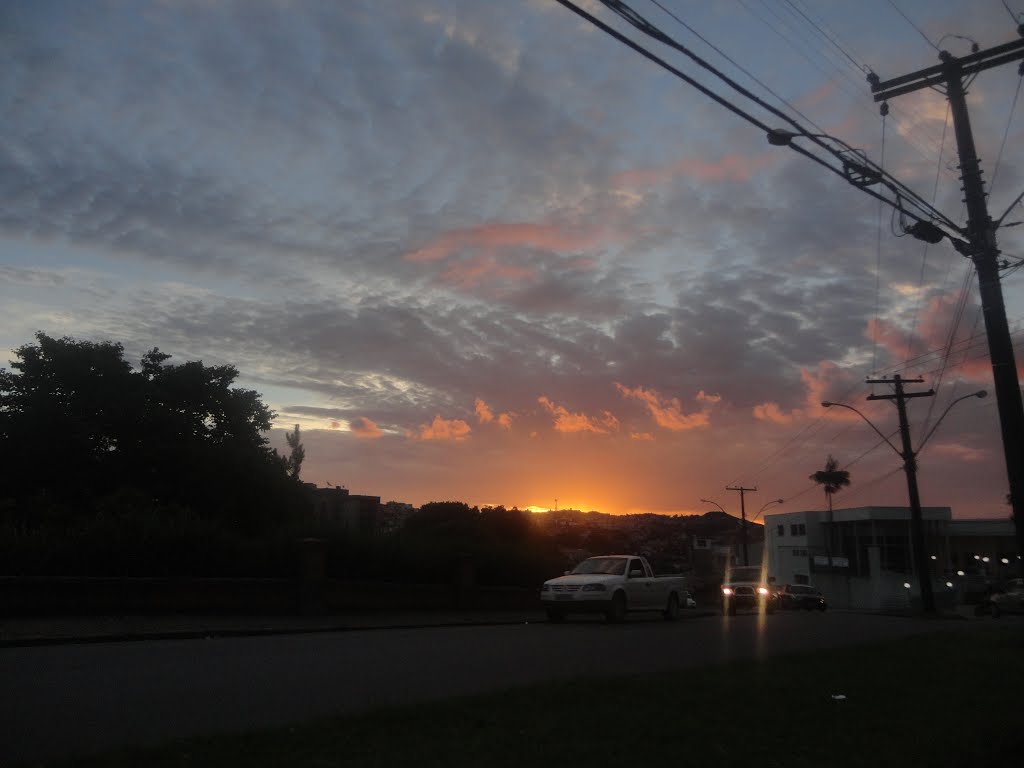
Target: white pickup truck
x: 613, y: 585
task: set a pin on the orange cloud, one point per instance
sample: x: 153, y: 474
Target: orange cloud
x: 549, y: 237
x: 827, y: 382
x: 442, y: 429
x: 771, y: 412
x: 483, y: 412
x: 727, y: 168
x: 363, y: 427
x: 642, y: 436
x: 703, y: 397
x: 579, y: 422
x: 962, y: 452
x: 485, y: 415
x: 668, y: 412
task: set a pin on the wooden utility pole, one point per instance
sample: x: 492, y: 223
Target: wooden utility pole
x: 743, y: 518
x: 924, y: 577
x: 981, y: 247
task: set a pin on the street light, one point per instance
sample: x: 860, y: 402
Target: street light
x: 709, y: 501
x: 762, y: 509
x: 909, y: 456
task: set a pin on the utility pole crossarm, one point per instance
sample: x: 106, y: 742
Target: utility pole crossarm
x: 938, y: 74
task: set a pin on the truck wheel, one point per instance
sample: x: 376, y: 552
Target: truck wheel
x: 671, y: 612
x: 555, y: 615
x: 617, y: 612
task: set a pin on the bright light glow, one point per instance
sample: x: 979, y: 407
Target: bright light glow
x: 934, y: 557
x: 726, y: 591
x: 949, y: 583
x: 762, y: 590
x: 984, y: 559
x: 906, y: 584
x: 1006, y: 561
x: 977, y: 557
x: 959, y: 573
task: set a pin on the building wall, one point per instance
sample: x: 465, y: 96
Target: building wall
x: 870, y: 548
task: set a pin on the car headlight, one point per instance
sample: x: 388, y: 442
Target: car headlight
x: 594, y: 588
x: 726, y: 591
x: 762, y: 591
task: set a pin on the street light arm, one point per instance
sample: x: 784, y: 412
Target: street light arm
x: 762, y: 509
x: 980, y: 393
x: 828, y: 404
x: 709, y: 501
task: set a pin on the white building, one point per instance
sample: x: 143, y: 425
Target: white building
x: 870, y: 550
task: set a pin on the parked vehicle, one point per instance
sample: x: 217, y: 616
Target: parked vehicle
x: 688, y: 601
x: 747, y: 587
x: 1008, y: 600
x: 801, y: 596
x: 613, y: 585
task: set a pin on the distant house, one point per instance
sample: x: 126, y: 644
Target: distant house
x: 337, y: 507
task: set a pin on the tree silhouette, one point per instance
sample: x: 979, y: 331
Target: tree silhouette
x: 78, y: 425
x: 832, y: 479
x: 298, y: 453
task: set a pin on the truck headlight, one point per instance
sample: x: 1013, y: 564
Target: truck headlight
x: 762, y: 590
x: 726, y: 591
x: 594, y: 588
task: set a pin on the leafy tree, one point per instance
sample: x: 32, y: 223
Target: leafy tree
x: 298, y: 453
x: 832, y: 479
x: 78, y: 424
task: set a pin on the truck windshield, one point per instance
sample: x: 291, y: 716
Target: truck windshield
x: 610, y: 565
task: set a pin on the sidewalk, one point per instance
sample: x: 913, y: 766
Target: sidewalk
x: 32, y: 631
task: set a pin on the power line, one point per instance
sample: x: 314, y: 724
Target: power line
x: 838, y: 149
x: 911, y: 23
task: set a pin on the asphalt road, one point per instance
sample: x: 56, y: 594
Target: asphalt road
x: 77, y: 699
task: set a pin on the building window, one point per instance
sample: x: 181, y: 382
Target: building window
x: 799, y: 553
x: 799, y: 578
x: 798, y: 529
x: 780, y: 530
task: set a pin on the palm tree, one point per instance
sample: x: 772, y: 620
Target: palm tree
x: 832, y: 479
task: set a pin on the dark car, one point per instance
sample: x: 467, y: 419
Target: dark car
x: 801, y: 596
x: 1010, y: 599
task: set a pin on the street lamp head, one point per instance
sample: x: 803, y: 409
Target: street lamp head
x: 981, y: 393
x: 778, y: 137
x: 826, y: 404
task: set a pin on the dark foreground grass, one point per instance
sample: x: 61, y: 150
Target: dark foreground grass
x: 947, y: 699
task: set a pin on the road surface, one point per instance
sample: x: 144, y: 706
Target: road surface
x: 78, y: 699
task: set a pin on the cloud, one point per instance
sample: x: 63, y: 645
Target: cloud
x: 733, y: 167
x: 565, y: 421
x: 364, y: 428
x: 443, y: 429
x: 485, y: 415
x: 668, y: 412
x: 493, y: 236
x: 483, y: 412
x: 645, y: 436
x: 771, y: 412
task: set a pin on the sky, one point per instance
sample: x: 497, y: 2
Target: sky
x: 482, y: 251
